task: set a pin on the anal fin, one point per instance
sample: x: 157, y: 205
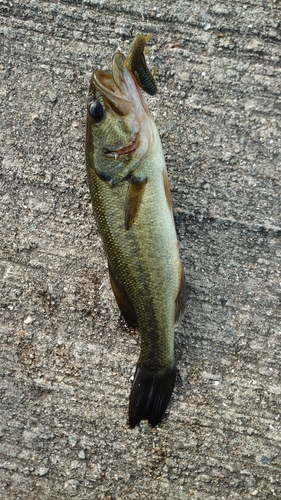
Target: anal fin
x: 125, y: 305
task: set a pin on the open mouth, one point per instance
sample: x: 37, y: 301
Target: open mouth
x: 115, y: 153
x: 111, y: 86
x: 105, y: 82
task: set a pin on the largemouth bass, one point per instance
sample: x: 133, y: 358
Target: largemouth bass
x: 132, y: 206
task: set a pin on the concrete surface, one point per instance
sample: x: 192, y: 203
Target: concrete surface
x: 66, y: 358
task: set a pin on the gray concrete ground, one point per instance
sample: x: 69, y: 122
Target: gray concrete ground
x: 66, y: 358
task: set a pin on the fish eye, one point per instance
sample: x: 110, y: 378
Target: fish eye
x: 96, y: 111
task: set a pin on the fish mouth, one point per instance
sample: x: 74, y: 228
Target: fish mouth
x: 113, y: 86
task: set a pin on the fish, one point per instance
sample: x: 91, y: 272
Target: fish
x: 132, y: 206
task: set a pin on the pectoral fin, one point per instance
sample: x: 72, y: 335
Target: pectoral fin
x: 122, y: 299
x: 133, y: 200
x: 113, y: 170
x: 181, y: 298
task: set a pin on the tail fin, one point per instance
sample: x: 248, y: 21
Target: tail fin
x: 150, y: 395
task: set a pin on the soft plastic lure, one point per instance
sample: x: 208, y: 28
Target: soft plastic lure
x: 137, y: 64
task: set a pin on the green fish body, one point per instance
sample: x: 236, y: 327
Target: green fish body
x: 132, y: 206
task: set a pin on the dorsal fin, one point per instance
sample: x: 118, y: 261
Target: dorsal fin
x: 167, y: 188
x: 181, y: 297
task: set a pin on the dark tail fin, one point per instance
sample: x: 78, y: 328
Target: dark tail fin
x: 150, y: 395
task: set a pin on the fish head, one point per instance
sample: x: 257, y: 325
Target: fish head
x: 118, y: 123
